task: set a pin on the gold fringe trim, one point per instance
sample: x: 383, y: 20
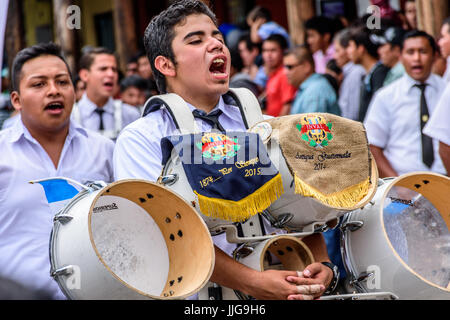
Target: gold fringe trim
x: 347, y: 198
x: 237, y: 211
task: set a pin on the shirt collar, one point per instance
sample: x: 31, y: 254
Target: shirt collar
x: 228, y: 107
x: 410, y: 82
x: 89, y: 106
x: 19, y: 130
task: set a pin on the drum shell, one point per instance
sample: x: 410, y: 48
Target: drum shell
x: 73, y: 243
x: 368, y: 248
x: 78, y: 250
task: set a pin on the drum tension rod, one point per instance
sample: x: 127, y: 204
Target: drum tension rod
x: 352, y: 225
x: 62, y: 219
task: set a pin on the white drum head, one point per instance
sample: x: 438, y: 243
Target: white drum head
x: 151, y: 240
x: 416, y: 221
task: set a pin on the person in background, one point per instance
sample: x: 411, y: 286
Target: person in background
x: 249, y: 53
x: 131, y: 67
x: 80, y: 88
x: 262, y: 26
x: 145, y: 71
x: 390, y: 52
x: 352, y: 77
x: 363, y: 49
x: 133, y: 91
x: 444, y: 46
x: 98, y: 110
x: 319, y: 35
x: 315, y: 94
x: 333, y: 73
x: 279, y: 92
x: 410, y: 15
x: 399, y: 112
x: 239, y: 78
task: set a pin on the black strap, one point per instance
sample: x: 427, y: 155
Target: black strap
x: 211, y: 118
x: 100, y: 114
x: 427, y: 142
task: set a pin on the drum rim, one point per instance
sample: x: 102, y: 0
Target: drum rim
x: 277, y: 238
x: 203, y: 225
x: 391, y: 184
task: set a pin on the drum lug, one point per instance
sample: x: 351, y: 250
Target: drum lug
x: 362, y: 277
x: 63, y: 219
x: 352, y: 225
x: 280, y: 221
x: 169, y: 179
x: 64, y: 271
x: 321, y: 229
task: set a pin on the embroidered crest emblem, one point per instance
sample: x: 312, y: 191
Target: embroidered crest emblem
x: 315, y: 130
x: 218, y: 146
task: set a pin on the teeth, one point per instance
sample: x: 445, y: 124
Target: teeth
x: 219, y: 60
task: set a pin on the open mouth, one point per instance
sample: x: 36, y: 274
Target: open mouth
x: 109, y: 85
x: 417, y: 68
x: 53, y: 106
x: 218, y: 67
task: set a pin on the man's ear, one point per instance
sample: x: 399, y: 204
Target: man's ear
x: 165, y: 66
x: 15, y: 100
x: 84, y: 75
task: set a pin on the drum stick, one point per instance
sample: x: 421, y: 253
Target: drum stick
x: 448, y: 287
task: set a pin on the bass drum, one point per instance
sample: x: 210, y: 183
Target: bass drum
x: 131, y: 239
x: 400, y: 242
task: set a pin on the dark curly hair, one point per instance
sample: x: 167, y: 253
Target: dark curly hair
x: 159, y: 34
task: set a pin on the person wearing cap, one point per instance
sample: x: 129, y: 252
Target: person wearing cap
x: 390, y: 52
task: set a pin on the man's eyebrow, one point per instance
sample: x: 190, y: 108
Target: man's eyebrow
x: 200, y: 33
x: 192, y: 34
x: 38, y: 76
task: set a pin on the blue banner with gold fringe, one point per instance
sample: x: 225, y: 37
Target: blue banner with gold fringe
x: 231, y: 174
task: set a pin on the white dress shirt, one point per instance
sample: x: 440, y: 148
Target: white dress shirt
x: 25, y: 216
x: 393, y: 123
x: 91, y: 120
x: 438, y: 127
x: 349, y: 93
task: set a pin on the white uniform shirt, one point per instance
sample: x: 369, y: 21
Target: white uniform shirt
x: 438, y: 127
x: 138, y: 155
x: 25, y: 216
x: 349, y: 93
x: 91, y: 120
x: 393, y: 123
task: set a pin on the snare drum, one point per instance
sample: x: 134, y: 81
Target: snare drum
x: 281, y: 252
x: 400, y: 242
x: 131, y: 239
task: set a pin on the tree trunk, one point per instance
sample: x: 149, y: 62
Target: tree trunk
x: 14, y: 39
x: 298, y: 11
x: 125, y: 31
x: 66, y: 24
x: 431, y: 14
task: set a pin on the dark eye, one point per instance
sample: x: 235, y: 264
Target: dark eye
x: 195, y: 41
x: 37, y: 84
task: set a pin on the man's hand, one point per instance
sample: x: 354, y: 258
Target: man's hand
x: 314, y: 275
x: 274, y: 285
